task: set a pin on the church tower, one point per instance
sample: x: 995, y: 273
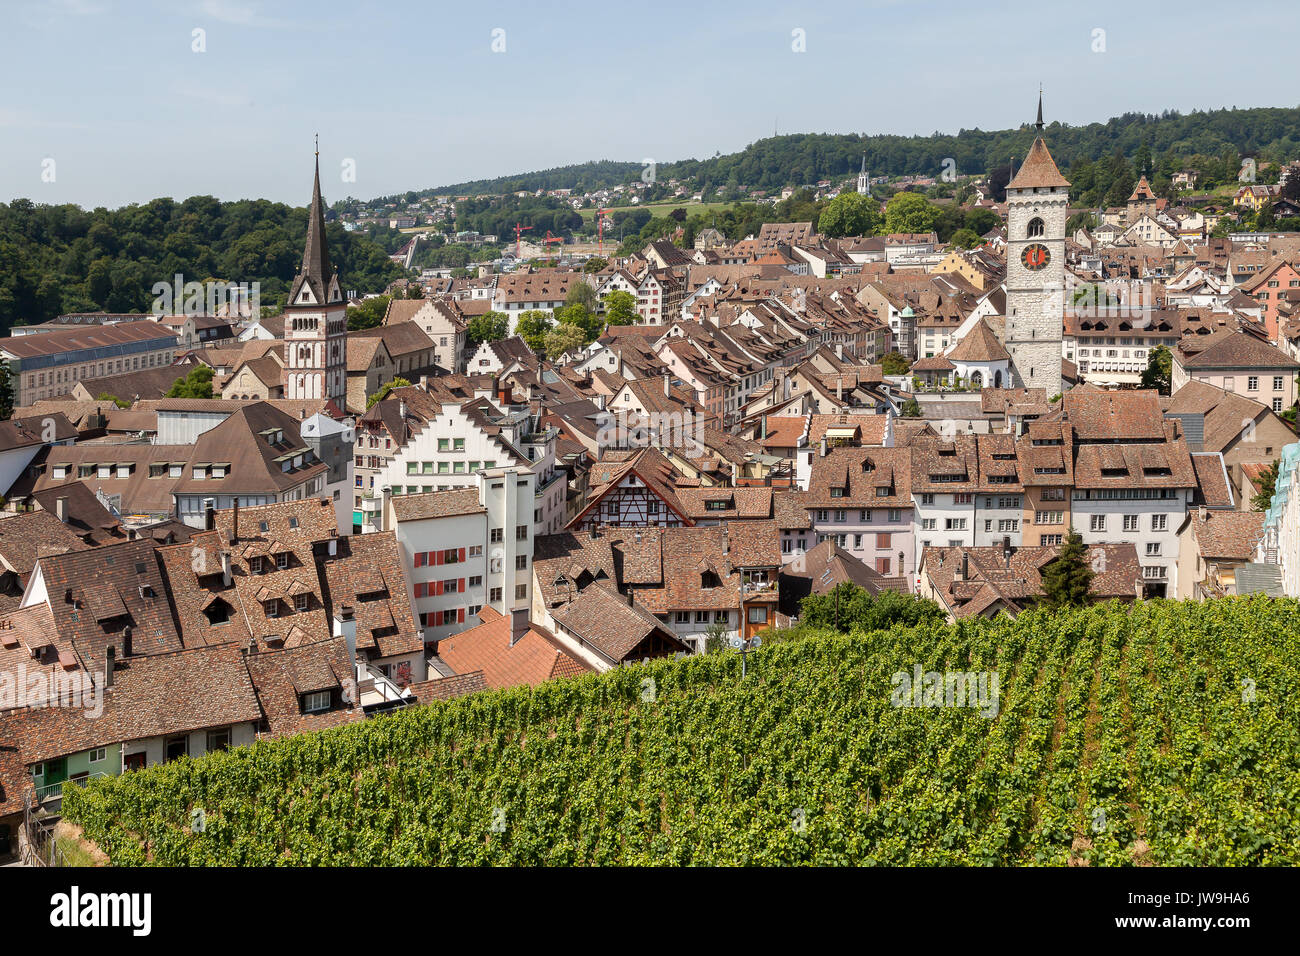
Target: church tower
x: 864, y: 181
x: 1037, y: 210
x: 315, y: 319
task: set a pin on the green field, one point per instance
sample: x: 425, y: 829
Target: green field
x: 1159, y: 733
x: 661, y: 208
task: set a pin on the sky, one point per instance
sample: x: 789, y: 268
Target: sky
x: 108, y: 102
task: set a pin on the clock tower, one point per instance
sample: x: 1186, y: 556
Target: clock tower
x: 315, y: 318
x: 1037, y: 209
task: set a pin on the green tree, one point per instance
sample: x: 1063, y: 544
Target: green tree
x: 590, y: 323
x: 1067, y: 578
x: 532, y: 328
x: 414, y: 290
x: 197, y: 384
x: 911, y: 408
x: 1263, y: 499
x: 6, y: 391
x: 119, y: 402
x: 715, y: 637
x: 620, y: 309
x: 369, y: 314
x: 1160, y: 369
x: 894, y: 363
x: 847, y: 607
x: 563, y: 338
x: 910, y: 212
x: 965, y: 238
x: 849, y: 214
x: 488, y: 327
x: 384, y: 389
x: 581, y: 293
x: 594, y: 264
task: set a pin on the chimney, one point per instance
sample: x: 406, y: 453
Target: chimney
x: 128, y: 645
x: 225, y: 569
x: 668, y: 391
x: 334, y: 543
x: 252, y: 645
x: 110, y: 655
x: 61, y: 508
x: 234, y: 524
x: 209, y: 514
x: 401, y: 409
x: 959, y: 572
x: 518, y: 624
x: 965, y: 565
x: 631, y: 599
x: 345, y: 626
x: 822, y: 448
x: 424, y: 382
x: 1203, y: 513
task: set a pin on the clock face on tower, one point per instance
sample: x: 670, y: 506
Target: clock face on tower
x: 1035, y: 256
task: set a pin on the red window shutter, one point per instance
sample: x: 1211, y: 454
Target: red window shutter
x: 437, y: 557
x: 462, y: 554
x: 460, y: 615
x: 419, y: 590
x: 439, y: 586
x: 419, y: 559
x: 461, y: 587
x: 437, y: 619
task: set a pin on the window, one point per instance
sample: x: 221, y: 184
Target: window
x: 895, y: 515
x: 1159, y: 522
x: 758, y: 615
x: 1277, y: 383
x: 494, y: 595
x: 865, y: 516
x: 1130, y: 522
x: 857, y: 542
x: 255, y: 564
x: 1153, y: 549
x: 841, y: 515
x: 451, y: 556
x: 302, y: 602
x: 521, y: 591
x: 1153, y: 571
x: 176, y: 747
x: 273, y: 608
x: 701, y: 617
x: 497, y: 535
x: 837, y: 492
x: 1252, y: 383
x: 218, y: 740
x: 1035, y: 228
x: 1049, y: 517
x: 927, y: 499
x: 1097, y: 523
x: 1053, y: 494
x: 883, y: 540
x: 282, y: 560
x: 882, y: 565
x: 1008, y: 524
x: 928, y: 524
x: 521, y: 532
x: 823, y: 514
x: 720, y: 617
x: 683, y: 617
x: 1277, y: 405
x: 98, y: 755
x: 476, y: 551
x: 521, y: 562
x: 316, y: 701
x: 475, y: 581
x: 1049, y: 539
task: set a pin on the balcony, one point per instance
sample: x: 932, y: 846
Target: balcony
x: 51, y: 793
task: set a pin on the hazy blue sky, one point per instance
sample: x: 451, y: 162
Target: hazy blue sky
x: 113, y: 92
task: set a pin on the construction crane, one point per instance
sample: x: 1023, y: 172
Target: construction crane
x: 550, y: 238
x: 519, y: 229
x: 601, y: 215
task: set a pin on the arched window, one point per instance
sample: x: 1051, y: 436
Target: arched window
x: 1035, y: 228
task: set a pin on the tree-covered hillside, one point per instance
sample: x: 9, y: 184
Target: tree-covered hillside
x: 1157, y: 733
x: 1267, y: 133
x: 67, y: 259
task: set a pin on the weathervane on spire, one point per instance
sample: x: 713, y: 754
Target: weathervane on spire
x: 1039, y: 124
x: 1040, y: 116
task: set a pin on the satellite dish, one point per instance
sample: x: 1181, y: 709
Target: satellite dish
x: 755, y: 641
x: 735, y: 642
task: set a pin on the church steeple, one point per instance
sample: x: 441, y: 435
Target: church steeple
x: 316, y: 271
x: 1039, y: 124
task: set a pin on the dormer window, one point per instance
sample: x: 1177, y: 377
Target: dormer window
x: 716, y: 505
x: 282, y: 560
x: 255, y: 564
x: 837, y: 492
x: 710, y: 579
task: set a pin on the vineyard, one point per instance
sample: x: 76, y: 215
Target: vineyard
x: 1162, y: 733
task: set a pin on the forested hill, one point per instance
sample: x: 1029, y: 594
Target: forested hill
x: 1270, y: 133
x: 67, y: 259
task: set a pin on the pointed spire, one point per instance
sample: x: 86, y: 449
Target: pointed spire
x: 864, y: 162
x: 316, y: 267
x: 1039, y: 124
